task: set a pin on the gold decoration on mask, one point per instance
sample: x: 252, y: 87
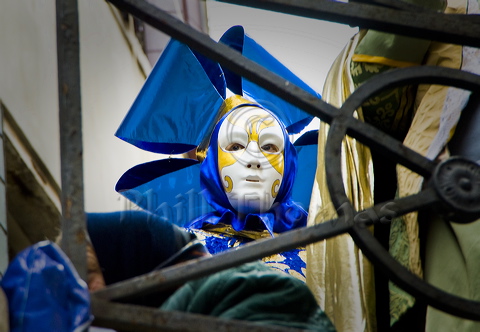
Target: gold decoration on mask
x: 227, y: 105
x: 274, y: 185
x: 229, y: 186
x: 276, y: 160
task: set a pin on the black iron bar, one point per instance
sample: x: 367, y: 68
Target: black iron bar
x: 422, y: 291
x: 70, y: 119
x: 376, y: 139
x: 385, y: 212
x: 128, y: 317
x: 175, y: 275
x: 448, y: 28
x: 395, y: 4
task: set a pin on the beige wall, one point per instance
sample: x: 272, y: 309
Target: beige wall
x: 28, y: 71
x: 112, y: 72
x: 111, y: 78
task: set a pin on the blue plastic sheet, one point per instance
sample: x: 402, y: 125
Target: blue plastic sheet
x: 44, y: 291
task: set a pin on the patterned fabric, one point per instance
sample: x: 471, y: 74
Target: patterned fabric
x: 400, y: 300
x: 392, y: 109
x: 292, y: 262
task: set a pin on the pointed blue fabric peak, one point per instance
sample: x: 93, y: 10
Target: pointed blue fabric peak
x: 294, y: 118
x: 178, y: 103
x: 149, y: 171
x: 169, y: 188
x: 182, y: 94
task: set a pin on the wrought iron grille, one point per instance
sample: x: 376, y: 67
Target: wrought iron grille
x: 384, y: 15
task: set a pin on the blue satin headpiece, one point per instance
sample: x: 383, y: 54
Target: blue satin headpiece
x: 284, y: 214
x: 177, y: 108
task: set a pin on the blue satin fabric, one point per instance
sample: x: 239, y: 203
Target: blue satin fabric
x: 169, y: 188
x: 284, y: 214
x: 178, y: 103
x: 182, y: 88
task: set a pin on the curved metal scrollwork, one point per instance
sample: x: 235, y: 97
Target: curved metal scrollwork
x: 454, y: 184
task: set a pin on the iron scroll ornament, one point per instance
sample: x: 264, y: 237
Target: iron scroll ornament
x: 455, y: 173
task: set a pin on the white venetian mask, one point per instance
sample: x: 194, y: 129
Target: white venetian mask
x: 250, y: 158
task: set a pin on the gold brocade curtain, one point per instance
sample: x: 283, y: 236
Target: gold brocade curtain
x: 338, y: 274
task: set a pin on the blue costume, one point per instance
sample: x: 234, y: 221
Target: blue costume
x: 180, y: 108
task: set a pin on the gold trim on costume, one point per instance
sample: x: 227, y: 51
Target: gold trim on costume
x: 382, y: 60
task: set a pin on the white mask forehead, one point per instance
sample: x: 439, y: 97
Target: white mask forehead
x: 248, y: 123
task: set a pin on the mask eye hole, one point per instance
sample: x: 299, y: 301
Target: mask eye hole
x: 233, y: 147
x: 270, y: 148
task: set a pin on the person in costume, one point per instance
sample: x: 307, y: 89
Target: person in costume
x: 424, y: 118
x: 238, y: 188
x: 206, y: 194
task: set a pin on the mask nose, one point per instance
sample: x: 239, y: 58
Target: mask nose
x: 253, y: 155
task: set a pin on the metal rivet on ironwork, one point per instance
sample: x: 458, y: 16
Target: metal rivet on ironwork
x: 457, y: 182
